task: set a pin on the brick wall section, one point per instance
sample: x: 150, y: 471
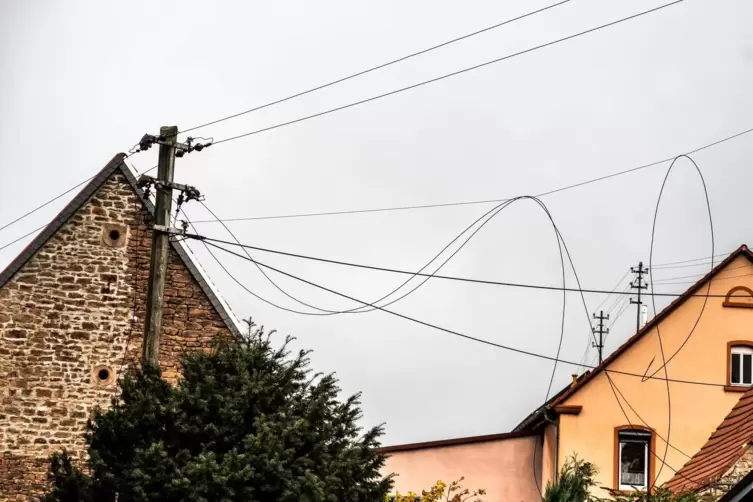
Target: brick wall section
x: 76, y: 305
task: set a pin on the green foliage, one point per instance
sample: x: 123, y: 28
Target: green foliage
x: 577, y: 479
x: 246, y: 422
x: 440, y: 492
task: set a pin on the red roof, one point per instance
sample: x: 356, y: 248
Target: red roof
x: 560, y: 398
x: 725, y: 447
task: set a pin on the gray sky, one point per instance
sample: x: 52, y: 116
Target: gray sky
x: 82, y: 81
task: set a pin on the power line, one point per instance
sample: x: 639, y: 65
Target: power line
x: 588, y: 320
x: 489, y: 215
x: 23, y: 237
x: 653, y: 298
x: 487, y: 201
x: 703, y: 274
x: 704, y: 259
x: 448, y: 75
x: 45, y: 204
x: 451, y: 278
x: 468, y: 337
x: 360, y: 309
x: 449, y: 331
x: 374, y: 68
x: 427, y: 206
x: 693, y: 282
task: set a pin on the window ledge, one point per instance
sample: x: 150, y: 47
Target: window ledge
x: 737, y: 388
x: 616, y: 491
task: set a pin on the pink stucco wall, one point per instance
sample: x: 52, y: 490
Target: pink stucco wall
x: 505, y: 468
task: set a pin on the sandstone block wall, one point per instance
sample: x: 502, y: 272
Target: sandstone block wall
x: 69, y: 320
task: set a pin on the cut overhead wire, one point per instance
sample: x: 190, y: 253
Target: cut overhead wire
x: 664, y: 359
x: 451, y: 278
x: 448, y: 75
x: 588, y: 322
x: 482, y: 221
x: 449, y: 331
x: 378, y: 67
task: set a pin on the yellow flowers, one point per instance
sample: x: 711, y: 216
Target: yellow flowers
x: 440, y: 492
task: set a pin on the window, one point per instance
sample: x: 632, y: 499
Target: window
x: 741, y: 365
x: 633, y: 459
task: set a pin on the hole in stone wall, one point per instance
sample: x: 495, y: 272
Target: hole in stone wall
x: 114, y: 236
x: 103, y: 376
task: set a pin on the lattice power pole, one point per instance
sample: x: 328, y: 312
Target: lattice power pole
x: 601, y: 331
x: 638, y: 284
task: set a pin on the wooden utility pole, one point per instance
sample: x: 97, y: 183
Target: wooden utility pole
x: 160, y: 245
x: 601, y: 330
x: 640, y: 285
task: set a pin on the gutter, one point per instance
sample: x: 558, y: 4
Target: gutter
x: 555, y: 456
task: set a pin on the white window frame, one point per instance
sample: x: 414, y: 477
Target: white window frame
x: 741, y: 350
x: 645, y: 439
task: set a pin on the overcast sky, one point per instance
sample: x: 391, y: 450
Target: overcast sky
x: 82, y: 81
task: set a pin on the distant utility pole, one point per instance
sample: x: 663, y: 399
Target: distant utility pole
x: 601, y: 330
x: 169, y: 148
x: 638, y: 284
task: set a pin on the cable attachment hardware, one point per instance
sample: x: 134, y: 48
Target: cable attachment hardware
x: 189, y: 146
x: 145, y: 184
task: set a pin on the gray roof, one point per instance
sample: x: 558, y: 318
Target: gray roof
x: 116, y: 164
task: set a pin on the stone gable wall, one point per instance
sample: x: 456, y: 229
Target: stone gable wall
x: 74, y: 315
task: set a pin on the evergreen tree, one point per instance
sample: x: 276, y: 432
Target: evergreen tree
x: 245, y: 422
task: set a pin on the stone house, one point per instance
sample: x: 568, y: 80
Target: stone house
x: 71, y: 319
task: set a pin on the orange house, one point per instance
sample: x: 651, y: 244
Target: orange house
x: 639, y: 431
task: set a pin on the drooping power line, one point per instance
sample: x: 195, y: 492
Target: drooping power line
x: 449, y: 331
x: 452, y: 278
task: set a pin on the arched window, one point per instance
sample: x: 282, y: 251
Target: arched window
x: 634, y: 460
x: 740, y: 297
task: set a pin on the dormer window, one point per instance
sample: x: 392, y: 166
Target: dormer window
x: 741, y: 365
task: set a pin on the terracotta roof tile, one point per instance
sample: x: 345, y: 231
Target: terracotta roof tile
x: 725, y: 446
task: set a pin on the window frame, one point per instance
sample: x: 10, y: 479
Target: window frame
x: 747, y: 346
x: 737, y: 387
x: 650, y: 460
